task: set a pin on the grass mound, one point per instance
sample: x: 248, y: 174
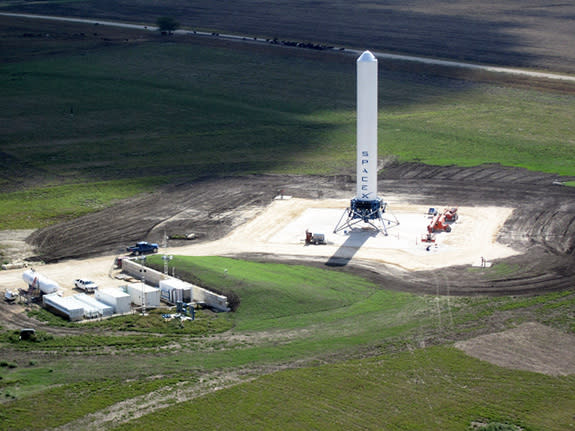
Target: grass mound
x: 272, y: 294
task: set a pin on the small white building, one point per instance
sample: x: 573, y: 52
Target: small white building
x: 173, y: 290
x: 66, y: 306
x: 119, y: 300
x: 103, y: 309
x: 137, y: 291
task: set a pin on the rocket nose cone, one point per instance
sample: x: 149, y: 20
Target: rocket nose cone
x: 366, y: 56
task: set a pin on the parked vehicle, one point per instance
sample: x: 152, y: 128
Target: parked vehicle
x: 438, y: 224
x: 143, y: 247
x: 314, y: 238
x: 10, y: 296
x: 85, y: 285
x: 451, y: 214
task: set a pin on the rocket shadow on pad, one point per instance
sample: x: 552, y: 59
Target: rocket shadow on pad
x: 355, y: 239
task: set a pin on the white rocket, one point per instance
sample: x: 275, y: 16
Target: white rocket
x: 366, y: 127
x: 366, y: 207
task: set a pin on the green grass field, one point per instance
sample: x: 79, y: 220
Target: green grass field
x: 42, y: 206
x: 432, y: 389
x: 388, y: 358
x: 115, y: 116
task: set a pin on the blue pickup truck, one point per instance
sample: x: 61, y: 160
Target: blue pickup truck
x: 143, y: 247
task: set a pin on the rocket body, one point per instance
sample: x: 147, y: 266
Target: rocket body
x: 366, y: 206
x: 366, y: 127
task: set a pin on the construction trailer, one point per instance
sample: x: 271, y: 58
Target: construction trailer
x: 173, y: 290
x: 103, y: 310
x: 65, y: 306
x: 76, y: 307
x: 142, y: 294
x: 119, y: 300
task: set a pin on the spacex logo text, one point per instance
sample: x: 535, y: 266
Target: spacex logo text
x: 364, y: 179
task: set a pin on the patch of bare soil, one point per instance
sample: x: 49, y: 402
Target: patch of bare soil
x: 530, y: 347
x: 14, y: 316
x: 13, y: 245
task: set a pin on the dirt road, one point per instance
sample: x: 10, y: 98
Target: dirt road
x: 530, y: 34
x: 247, y: 38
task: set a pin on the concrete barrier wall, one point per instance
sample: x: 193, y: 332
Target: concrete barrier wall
x: 219, y: 302
x: 18, y: 265
x: 153, y: 277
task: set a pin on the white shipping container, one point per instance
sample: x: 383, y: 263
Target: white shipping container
x: 102, y: 308
x: 119, y: 300
x: 150, y: 294
x: 174, y: 290
x: 191, y: 293
x: 90, y: 312
x: 172, y: 296
x: 64, y: 305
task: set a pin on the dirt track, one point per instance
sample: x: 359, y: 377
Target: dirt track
x: 542, y: 224
x: 533, y: 33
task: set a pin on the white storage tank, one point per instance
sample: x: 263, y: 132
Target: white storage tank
x: 173, y: 290
x: 67, y: 306
x: 139, y: 290
x: 102, y: 309
x: 116, y: 298
x: 38, y: 281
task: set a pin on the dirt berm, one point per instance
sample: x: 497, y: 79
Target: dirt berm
x: 542, y: 223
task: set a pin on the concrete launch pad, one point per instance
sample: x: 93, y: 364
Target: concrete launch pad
x: 281, y: 228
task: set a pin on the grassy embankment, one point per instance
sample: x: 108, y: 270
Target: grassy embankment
x: 114, y: 119
x: 292, y: 314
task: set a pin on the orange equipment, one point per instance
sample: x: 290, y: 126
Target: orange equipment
x: 451, y: 214
x: 438, y: 224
